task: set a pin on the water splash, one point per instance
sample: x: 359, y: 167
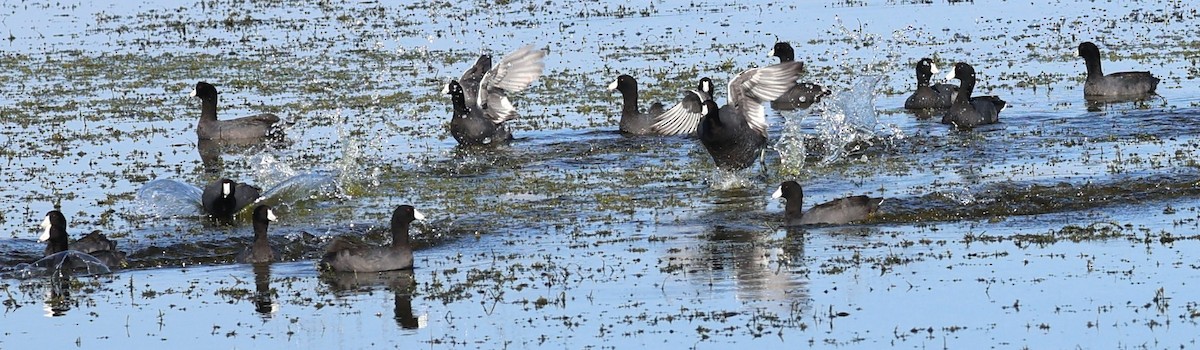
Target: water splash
x: 961, y: 195
x: 350, y: 168
x: 725, y: 180
x: 163, y: 198
x: 300, y: 188
x: 270, y: 168
x: 61, y: 264
x: 790, y: 146
x: 857, y: 36
x: 848, y: 124
x: 288, y: 185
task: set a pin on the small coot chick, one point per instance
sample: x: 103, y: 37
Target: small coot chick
x: 838, y: 211
x: 735, y: 134
x: 638, y: 123
x: 345, y: 257
x: 261, y: 250
x: 469, y: 126
x: 209, y: 128
x: 801, y: 95
x: 513, y: 73
x: 95, y: 244
x: 927, y: 96
x: 224, y: 197
x: 1121, y: 84
x: 966, y: 111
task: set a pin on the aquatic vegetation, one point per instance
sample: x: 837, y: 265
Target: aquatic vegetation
x: 577, y: 236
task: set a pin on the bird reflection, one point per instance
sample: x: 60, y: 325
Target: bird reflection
x: 403, y: 311
x: 1099, y: 103
x: 58, y: 297
x: 211, y: 150
x: 402, y: 283
x: 264, y: 297
x: 742, y: 260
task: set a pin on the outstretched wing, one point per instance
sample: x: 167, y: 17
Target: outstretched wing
x: 684, y: 117
x: 749, y: 90
x: 513, y: 73
x: 472, y: 77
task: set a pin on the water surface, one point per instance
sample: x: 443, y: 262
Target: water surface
x: 1067, y: 225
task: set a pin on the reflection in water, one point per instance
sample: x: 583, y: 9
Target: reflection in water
x: 756, y: 267
x: 212, y: 150
x: 1099, y: 103
x: 403, y: 311
x: 744, y: 255
x: 264, y: 297
x: 402, y: 283
x: 58, y: 297
x: 751, y: 262
x: 468, y: 161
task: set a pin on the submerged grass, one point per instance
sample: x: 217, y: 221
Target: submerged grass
x: 577, y: 208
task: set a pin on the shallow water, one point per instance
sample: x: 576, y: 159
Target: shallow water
x: 1064, y: 226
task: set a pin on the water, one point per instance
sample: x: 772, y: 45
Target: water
x: 1067, y: 225
x: 847, y: 124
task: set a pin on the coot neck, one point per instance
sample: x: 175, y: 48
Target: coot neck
x: 794, y: 209
x: 58, y: 240
x: 400, y: 235
x: 923, y: 78
x: 785, y: 56
x: 208, y: 108
x: 966, y: 86
x: 228, y: 203
x: 630, y: 106
x: 460, y: 105
x: 1093, y: 67
x: 260, y: 233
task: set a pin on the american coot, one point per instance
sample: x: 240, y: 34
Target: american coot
x: 937, y: 96
x: 1121, y: 84
x: 261, y: 250
x: 95, y: 244
x: 638, y: 123
x: 209, y: 128
x: 343, y: 256
x: 967, y: 111
x: 633, y: 120
x: 732, y: 144
x: 469, y: 126
x: 838, y: 211
x: 735, y: 134
x: 800, y: 95
x: 513, y: 73
x: 223, y: 198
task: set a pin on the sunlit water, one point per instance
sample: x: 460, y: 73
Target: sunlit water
x: 1067, y: 225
